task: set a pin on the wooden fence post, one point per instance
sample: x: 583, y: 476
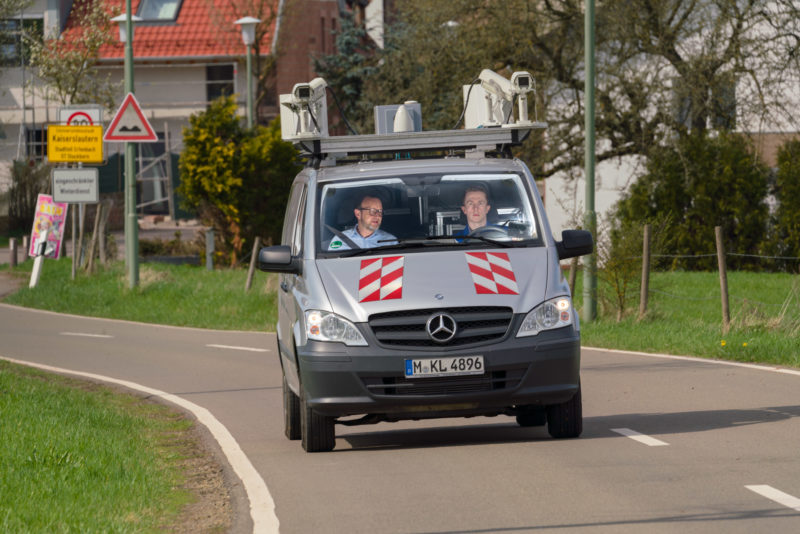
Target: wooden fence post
x: 573, y: 275
x: 12, y: 248
x: 252, y: 269
x: 645, y: 287
x: 723, y: 279
x: 210, y: 249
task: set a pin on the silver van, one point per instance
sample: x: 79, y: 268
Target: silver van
x: 454, y: 306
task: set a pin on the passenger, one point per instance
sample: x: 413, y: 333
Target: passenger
x: 366, y: 233
x: 476, y: 207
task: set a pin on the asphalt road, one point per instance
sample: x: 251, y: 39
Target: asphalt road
x: 669, y: 445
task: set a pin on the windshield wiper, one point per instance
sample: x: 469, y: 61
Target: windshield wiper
x: 401, y: 243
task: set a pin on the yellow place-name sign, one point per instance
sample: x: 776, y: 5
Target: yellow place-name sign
x: 75, y: 144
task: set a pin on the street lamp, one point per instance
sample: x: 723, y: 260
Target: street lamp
x: 248, y: 25
x: 125, y: 22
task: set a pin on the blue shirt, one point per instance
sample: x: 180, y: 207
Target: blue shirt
x: 378, y: 238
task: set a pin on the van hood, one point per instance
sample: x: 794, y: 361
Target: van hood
x: 361, y: 286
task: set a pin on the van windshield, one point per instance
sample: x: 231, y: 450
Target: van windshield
x: 432, y: 210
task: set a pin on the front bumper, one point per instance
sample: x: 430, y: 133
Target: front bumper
x: 339, y: 381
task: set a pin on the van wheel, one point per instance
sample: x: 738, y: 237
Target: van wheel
x: 291, y: 412
x: 532, y: 416
x: 565, y: 420
x: 318, y: 433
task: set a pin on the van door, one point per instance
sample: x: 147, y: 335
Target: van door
x: 287, y: 307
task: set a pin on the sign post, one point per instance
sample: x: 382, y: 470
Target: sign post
x: 129, y: 125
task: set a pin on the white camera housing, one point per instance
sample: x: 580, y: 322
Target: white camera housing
x: 304, y: 112
x: 499, y: 92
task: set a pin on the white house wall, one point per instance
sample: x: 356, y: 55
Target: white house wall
x: 565, y: 196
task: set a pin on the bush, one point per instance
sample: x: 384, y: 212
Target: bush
x: 787, y: 193
x: 28, y: 180
x: 237, y: 180
x: 700, y: 183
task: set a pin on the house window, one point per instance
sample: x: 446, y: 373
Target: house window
x: 219, y: 81
x: 159, y: 10
x: 13, y: 52
x: 35, y: 143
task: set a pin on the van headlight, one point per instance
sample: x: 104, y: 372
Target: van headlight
x: 327, y: 326
x: 549, y: 315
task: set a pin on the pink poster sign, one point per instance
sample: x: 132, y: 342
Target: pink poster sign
x: 48, y: 223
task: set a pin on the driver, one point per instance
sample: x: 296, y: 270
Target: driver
x: 475, y: 207
x: 366, y: 233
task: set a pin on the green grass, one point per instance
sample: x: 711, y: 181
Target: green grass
x: 685, y: 317
x: 77, y: 457
x: 179, y: 295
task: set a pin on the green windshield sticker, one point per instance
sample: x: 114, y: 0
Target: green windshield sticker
x: 335, y: 244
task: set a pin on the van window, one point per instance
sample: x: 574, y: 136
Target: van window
x: 431, y: 209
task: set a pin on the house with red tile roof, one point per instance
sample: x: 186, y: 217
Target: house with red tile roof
x: 185, y: 54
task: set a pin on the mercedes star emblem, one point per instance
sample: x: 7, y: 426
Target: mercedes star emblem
x: 441, y: 327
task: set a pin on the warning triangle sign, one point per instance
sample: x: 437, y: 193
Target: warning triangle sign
x: 130, y: 124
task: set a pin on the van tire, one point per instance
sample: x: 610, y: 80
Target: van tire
x: 565, y: 420
x: 317, y: 431
x: 291, y: 412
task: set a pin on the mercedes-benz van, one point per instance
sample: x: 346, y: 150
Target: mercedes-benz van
x: 436, y: 318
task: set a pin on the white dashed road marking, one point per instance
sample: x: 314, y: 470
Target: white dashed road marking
x: 84, y: 334
x: 641, y: 438
x: 234, y: 347
x: 789, y: 501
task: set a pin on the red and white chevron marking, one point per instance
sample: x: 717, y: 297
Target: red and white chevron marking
x: 492, y: 273
x: 381, y: 279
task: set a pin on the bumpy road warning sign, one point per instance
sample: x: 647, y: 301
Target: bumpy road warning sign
x: 130, y: 124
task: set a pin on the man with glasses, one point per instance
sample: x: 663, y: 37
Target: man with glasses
x: 366, y: 233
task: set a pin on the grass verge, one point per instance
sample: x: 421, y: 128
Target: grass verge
x: 684, y: 313
x: 178, y: 295
x: 684, y: 317
x: 78, y: 457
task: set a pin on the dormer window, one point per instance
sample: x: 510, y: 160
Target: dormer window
x: 159, y: 10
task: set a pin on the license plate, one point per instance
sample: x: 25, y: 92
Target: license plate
x: 455, y: 366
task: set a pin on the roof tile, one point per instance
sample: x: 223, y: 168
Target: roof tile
x: 204, y: 28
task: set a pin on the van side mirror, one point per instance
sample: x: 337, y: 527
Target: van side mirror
x: 574, y: 243
x: 278, y: 259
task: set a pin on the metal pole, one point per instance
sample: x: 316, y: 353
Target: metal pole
x: 131, y: 223
x: 249, y: 87
x: 590, y: 272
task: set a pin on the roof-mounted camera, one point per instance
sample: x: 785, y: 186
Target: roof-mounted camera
x: 304, y: 112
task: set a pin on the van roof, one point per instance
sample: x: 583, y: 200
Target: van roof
x: 452, y: 165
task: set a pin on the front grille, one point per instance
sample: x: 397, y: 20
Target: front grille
x: 450, y: 385
x: 407, y: 328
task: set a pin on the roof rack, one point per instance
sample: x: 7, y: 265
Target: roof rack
x: 304, y: 122
x: 477, y: 139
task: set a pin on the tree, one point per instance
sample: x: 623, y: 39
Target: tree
x: 66, y: 65
x: 347, y: 70
x: 787, y: 193
x: 663, y: 68
x: 703, y: 182
x: 237, y: 180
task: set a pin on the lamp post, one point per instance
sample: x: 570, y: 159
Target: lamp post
x: 248, y: 25
x: 590, y: 265
x: 125, y: 22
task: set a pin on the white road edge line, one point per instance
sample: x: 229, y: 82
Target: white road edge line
x: 641, y: 438
x: 262, y: 507
x: 778, y: 496
x: 754, y: 366
x: 84, y: 334
x: 234, y: 347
